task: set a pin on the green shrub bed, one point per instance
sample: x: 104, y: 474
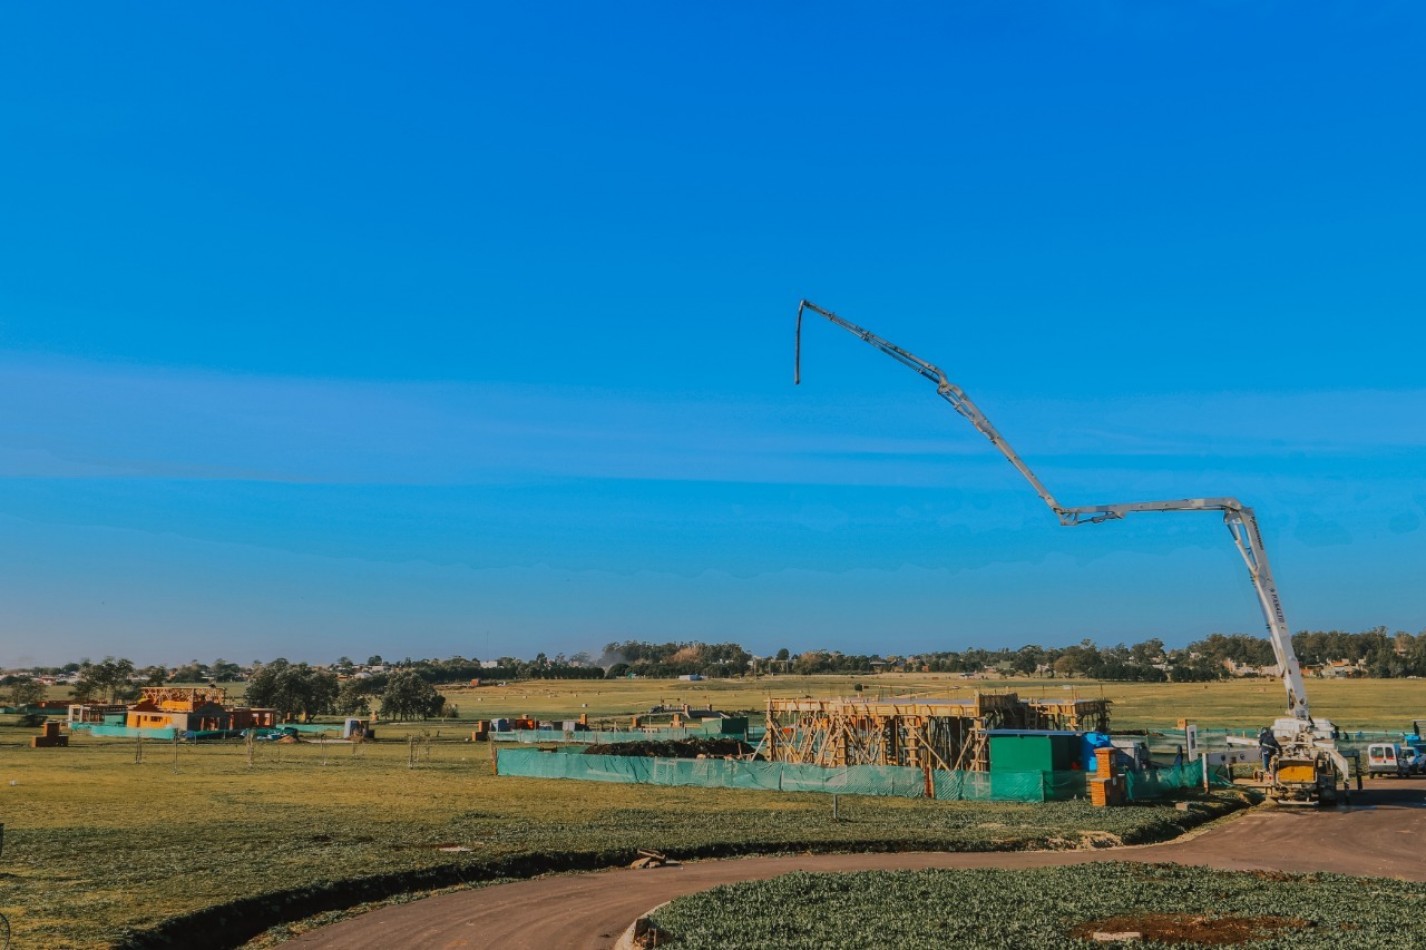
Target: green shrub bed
x: 1048, y: 909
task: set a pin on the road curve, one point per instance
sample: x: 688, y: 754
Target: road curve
x: 1382, y: 834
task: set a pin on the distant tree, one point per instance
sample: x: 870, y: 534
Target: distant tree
x: 408, y: 696
x: 355, y: 697
x: 190, y: 672
x: 26, y: 691
x: 1148, y: 652
x: 293, y: 690
x: 1237, y: 648
x: 1027, y: 659
x: 374, y: 660
x: 1415, y: 653
x: 154, y: 675
x: 1184, y: 667
x: 107, y: 680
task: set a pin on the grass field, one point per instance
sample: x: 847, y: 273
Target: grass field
x: 1251, y: 703
x: 95, y: 843
x: 1047, y: 909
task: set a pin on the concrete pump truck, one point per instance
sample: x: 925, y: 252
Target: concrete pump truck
x: 1308, y: 768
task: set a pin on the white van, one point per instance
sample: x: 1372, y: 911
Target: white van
x: 1387, y: 758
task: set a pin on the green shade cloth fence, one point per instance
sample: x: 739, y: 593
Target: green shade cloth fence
x: 895, y: 781
x: 122, y: 732
x: 168, y: 734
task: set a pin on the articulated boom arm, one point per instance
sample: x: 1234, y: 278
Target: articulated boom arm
x: 948, y: 391
x: 1242, y: 525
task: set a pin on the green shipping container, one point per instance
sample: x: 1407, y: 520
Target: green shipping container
x: 728, y: 726
x: 1032, y: 750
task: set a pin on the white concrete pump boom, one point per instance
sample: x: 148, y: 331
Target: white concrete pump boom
x: 1242, y: 525
x: 948, y: 391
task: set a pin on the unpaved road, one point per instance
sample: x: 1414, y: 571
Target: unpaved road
x: 1382, y: 834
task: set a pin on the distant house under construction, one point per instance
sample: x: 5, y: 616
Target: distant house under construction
x: 193, y: 709
x: 950, y: 734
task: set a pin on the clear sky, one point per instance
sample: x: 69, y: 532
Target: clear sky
x: 427, y: 329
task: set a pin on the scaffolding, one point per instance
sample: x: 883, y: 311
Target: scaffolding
x: 929, y: 734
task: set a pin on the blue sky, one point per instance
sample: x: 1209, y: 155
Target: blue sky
x: 340, y: 329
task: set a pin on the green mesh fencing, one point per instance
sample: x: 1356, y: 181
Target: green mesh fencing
x: 894, y: 781
x: 123, y: 732
x: 1009, y: 786
x: 714, y: 773
x: 315, y: 728
x: 1065, y: 786
x: 1175, y: 780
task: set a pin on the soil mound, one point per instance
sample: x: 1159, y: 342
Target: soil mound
x: 1198, y: 929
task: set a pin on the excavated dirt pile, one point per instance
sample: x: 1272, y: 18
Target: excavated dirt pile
x: 1195, y: 929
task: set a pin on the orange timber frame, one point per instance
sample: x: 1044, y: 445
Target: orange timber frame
x: 949, y: 734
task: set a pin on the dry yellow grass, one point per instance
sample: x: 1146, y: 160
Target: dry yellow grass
x: 1249, y: 703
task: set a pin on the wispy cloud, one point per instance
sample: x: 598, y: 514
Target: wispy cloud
x: 70, y: 419
x: 1235, y: 423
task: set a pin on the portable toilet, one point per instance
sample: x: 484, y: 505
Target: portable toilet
x: 357, y: 729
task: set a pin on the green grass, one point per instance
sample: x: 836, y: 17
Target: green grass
x: 96, y: 844
x: 1040, y: 909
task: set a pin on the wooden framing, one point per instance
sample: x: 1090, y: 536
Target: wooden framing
x: 1073, y: 715
x: 921, y: 733
x: 184, y: 697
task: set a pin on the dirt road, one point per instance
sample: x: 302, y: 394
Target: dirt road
x: 1383, y: 833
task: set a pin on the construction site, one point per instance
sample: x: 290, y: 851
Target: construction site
x: 1039, y: 749
x: 169, y: 712
x: 945, y: 734
x: 985, y: 747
